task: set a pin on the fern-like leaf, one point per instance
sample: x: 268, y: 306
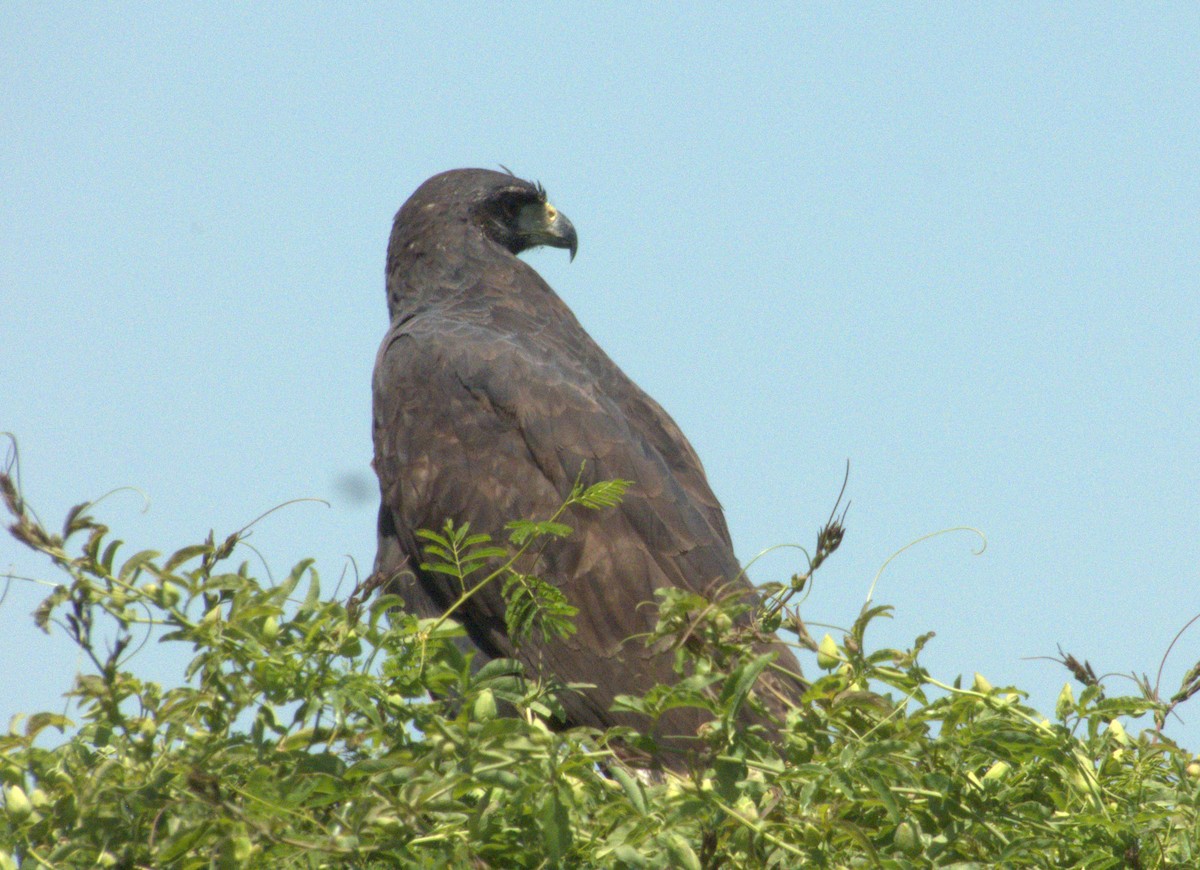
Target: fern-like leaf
x: 533, y: 605
x: 521, y: 531
x: 606, y: 493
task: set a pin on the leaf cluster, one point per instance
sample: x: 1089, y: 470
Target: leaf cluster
x: 306, y: 733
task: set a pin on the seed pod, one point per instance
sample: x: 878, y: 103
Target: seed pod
x: 997, y: 772
x: 746, y: 807
x: 16, y: 803
x: 908, y: 837
x: 170, y: 595
x: 484, y: 708
x: 1117, y: 731
x: 1066, y: 702
x: 828, y: 656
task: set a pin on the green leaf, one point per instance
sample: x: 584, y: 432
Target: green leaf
x: 41, y: 616
x: 681, y: 852
x: 184, y: 555
x: 40, y: 721
x: 443, y: 568
x: 135, y: 563
x: 632, y: 787
x: 110, y: 554
x: 606, y: 493
x: 498, y: 668
x: 182, y: 843
x: 432, y: 536
x: 741, y: 681
x: 76, y: 519
x: 533, y: 605
x: 630, y: 856
x: 556, y: 826
x: 521, y: 531
x: 313, y: 595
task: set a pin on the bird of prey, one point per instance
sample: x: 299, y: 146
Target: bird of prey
x: 489, y: 400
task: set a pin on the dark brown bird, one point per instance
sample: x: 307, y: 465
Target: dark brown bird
x: 489, y: 398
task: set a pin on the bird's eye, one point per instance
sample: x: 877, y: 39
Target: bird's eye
x: 511, y: 206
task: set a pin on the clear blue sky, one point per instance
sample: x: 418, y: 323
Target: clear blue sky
x: 956, y: 244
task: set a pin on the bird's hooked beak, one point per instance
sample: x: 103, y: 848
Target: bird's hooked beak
x: 543, y: 224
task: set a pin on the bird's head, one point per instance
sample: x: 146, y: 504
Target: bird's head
x: 509, y: 211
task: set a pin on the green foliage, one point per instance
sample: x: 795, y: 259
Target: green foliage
x: 314, y: 733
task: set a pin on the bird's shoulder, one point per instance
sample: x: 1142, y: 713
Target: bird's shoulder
x: 539, y: 373
x: 505, y: 353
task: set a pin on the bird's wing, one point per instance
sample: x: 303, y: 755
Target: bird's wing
x: 662, y: 433
x: 477, y: 426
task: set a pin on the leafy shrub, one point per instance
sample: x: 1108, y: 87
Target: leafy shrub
x: 319, y: 733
